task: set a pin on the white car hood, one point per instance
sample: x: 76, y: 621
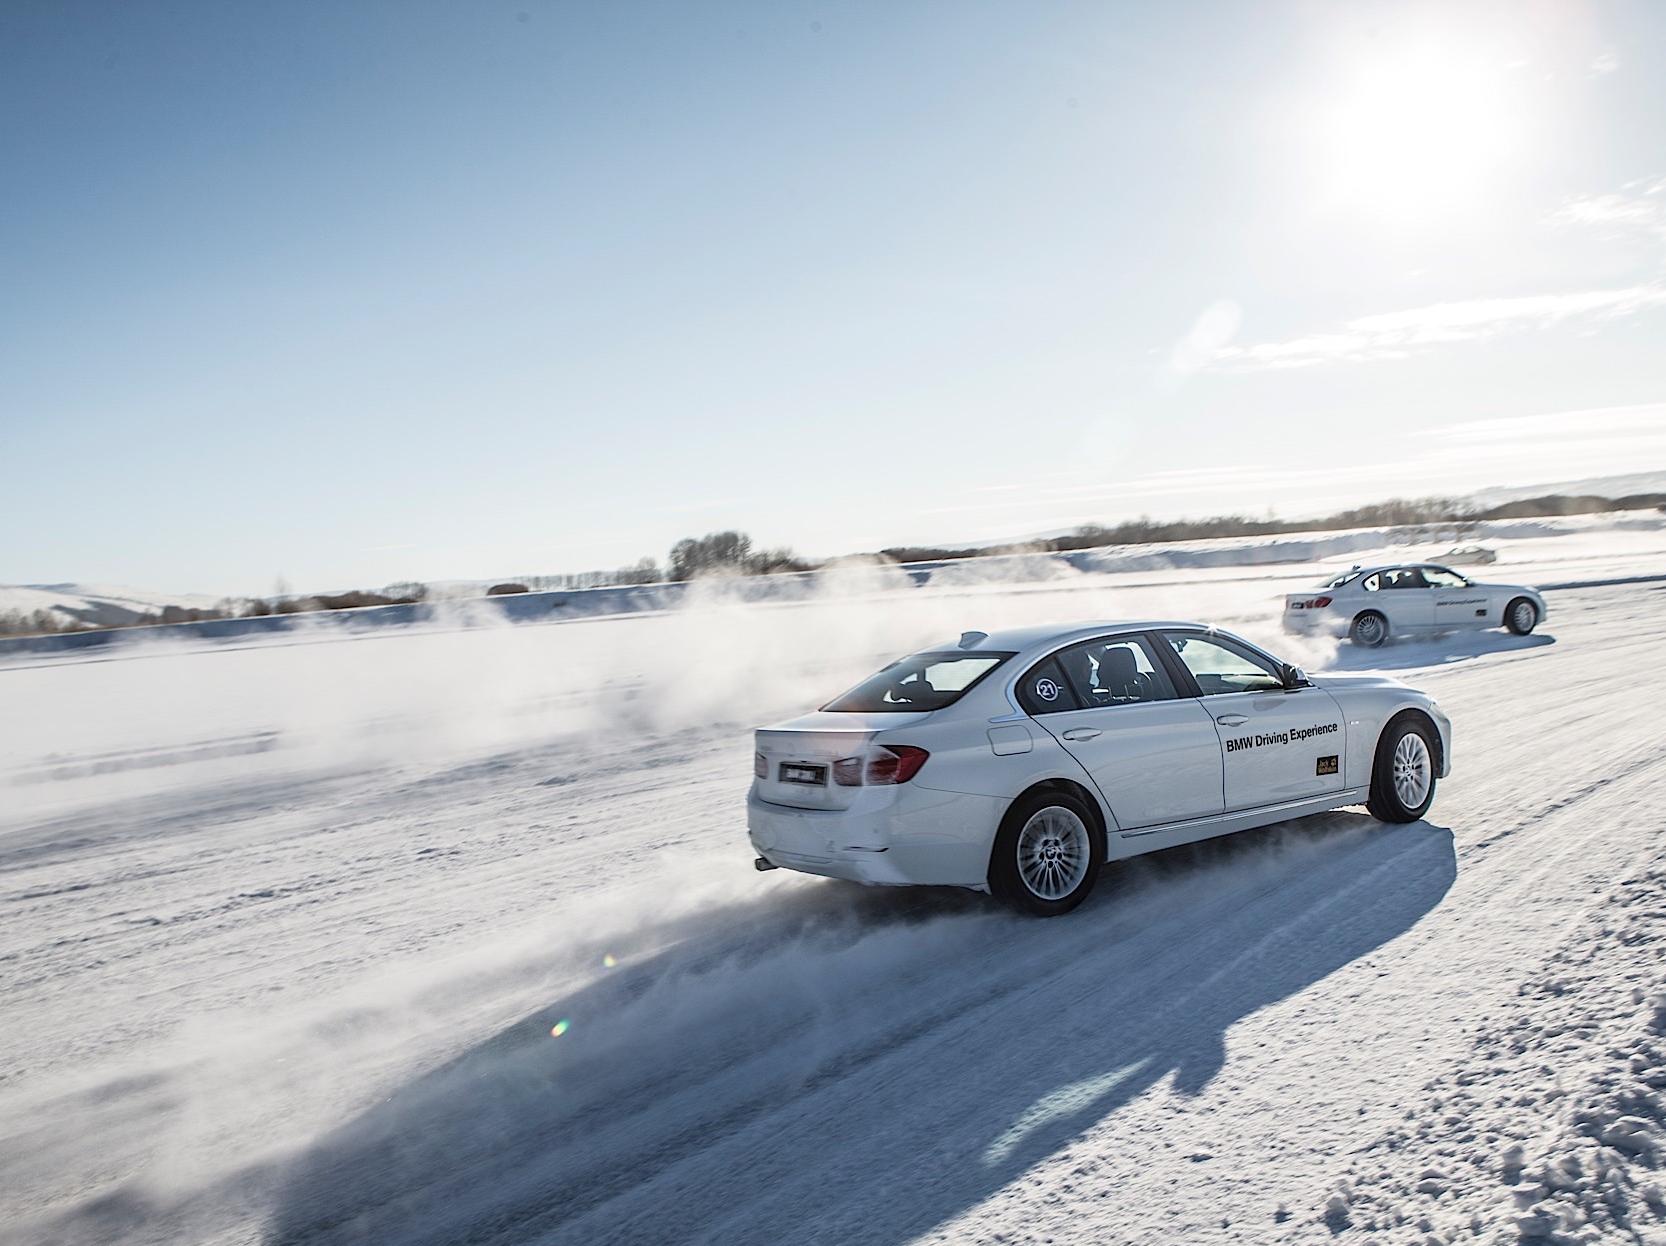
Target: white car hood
x: 1341, y: 683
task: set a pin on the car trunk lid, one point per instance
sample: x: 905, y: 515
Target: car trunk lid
x: 798, y: 756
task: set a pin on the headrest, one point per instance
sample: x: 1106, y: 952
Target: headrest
x: 1117, y: 666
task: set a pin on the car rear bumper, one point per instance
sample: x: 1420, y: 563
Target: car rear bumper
x: 924, y: 838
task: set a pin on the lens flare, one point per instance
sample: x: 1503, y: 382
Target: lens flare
x: 609, y: 961
x: 560, y: 1028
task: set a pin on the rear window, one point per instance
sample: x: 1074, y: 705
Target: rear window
x: 915, y: 684
x: 1345, y: 578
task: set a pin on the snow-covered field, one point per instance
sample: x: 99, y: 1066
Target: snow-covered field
x: 440, y: 936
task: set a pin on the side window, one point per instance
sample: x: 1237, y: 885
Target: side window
x: 1404, y: 577
x: 1044, y: 690
x: 1222, y: 667
x: 1372, y: 583
x: 1115, y: 672
x: 1440, y: 577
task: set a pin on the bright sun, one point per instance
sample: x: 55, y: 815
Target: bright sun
x: 1418, y: 130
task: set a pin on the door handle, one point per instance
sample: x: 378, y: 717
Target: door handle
x: 1232, y: 720
x: 1081, y: 733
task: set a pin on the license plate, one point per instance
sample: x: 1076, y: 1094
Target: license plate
x: 796, y: 772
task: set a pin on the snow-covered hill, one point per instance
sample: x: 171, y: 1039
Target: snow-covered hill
x: 1590, y: 486
x: 94, y: 605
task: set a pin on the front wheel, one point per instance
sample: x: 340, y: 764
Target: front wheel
x: 1047, y: 854
x: 1403, y: 780
x: 1521, y: 616
x: 1370, y: 629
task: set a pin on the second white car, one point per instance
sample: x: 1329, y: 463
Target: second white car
x: 1372, y: 605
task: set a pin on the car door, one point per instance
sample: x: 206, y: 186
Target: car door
x: 1407, y: 599
x: 1152, y: 753
x: 1277, y: 744
x: 1458, y: 603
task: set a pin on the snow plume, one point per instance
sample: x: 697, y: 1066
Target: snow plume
x: 153, y: 714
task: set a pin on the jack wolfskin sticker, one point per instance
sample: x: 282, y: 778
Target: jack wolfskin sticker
x: 1328, y: 765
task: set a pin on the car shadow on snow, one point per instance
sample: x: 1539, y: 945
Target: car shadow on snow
x: 1435, y: 651
x: 832, y: 1063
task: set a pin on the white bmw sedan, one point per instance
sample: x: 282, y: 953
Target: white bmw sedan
x: 1369, y: 605
x: 1019, y: 762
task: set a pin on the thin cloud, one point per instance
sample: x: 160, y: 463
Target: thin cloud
x: 1543, y: 448
x: 1645, y: 421
x: 1397, y: 335
x: 1639, y: 209
x: 1214, y: 328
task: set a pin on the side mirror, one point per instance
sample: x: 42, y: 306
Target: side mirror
x: 1293, y: 677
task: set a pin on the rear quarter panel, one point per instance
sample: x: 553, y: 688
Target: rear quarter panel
x: 964, y: 760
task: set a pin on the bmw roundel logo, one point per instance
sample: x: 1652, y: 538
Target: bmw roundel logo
x: 1047, y: 690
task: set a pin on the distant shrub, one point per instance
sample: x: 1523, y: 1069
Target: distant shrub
x: 643, y: 571
x: 506, y: 590
x: 181, y: 614
x: 39, y: 623
x: 732, y: 552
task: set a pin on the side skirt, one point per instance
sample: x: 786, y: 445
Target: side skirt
x: 1171, y: 834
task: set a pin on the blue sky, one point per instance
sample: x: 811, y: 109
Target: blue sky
x: 364, y: 292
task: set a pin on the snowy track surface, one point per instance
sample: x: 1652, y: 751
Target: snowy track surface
x: 285, y: 932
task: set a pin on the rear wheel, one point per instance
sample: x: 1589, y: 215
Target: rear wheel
x: 1047, y: 854
x: 1370, y: 629
x: 1521, y: 616
x: 1403, y: 779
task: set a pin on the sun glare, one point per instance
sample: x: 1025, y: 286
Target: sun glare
x: 1418, y: 130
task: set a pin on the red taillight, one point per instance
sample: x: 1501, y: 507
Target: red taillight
x: 760, y: 767
x: 1319, y: 603
x: 897, y: 763
x: 886, y: 765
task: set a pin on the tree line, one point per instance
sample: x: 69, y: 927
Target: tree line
x: 733, y: 553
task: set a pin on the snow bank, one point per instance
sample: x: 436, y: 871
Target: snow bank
x: 1554, y: 1130
x: 95, y: 605
x: 1310, y: 550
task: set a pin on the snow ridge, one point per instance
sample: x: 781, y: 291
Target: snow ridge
x: 1555, y: 1128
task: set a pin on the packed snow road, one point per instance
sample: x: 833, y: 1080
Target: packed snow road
x: 377, y: 942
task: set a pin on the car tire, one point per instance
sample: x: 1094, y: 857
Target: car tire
x: 1521, y: 616
x: 1369, y: 629
x: 1047, y: 854
x: 1403, y: 777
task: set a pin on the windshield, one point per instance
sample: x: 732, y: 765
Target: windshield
x: 916, y: 684
x: 1345, y: 578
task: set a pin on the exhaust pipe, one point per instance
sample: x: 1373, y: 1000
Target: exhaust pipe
x: 761, y: 865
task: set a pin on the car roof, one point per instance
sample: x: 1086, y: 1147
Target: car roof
x: 1018, y: 639
x: 1389, y: 566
